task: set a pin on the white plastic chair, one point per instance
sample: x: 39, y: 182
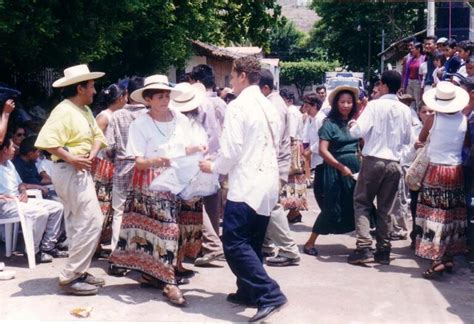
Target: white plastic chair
x: 34, y: 193
x: 11, y: 235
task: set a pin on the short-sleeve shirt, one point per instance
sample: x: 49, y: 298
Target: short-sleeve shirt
x: 9, y: 179
x: 72, y: 127
x: 27, y: 170
x: 338, y: 136
x: 149, y: 138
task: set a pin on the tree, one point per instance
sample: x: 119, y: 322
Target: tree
x: 303, y: 74
x: 122, y: 37
x: 287, y: 42
x: 349, y: 30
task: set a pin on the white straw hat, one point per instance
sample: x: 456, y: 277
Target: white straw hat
x: 191, y: 97
x: 446, y: 98
x: 338, y: 89
x: 76, y: 74
x: 157, y: 81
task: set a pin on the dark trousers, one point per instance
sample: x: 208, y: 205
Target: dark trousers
x: 243, y: 234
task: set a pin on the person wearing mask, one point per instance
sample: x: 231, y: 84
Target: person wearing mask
x: 278, y: 237
x: 249, y: 150
x: 441, y: 216
x: 385, y: 126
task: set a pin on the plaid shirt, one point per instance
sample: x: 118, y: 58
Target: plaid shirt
x: 117, y: 138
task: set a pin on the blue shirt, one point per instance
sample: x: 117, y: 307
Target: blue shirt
x: 27, y: 170
x: 9, y: 179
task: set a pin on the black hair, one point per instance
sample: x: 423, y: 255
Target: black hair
x: 440, y: 57
x: 135, y: 83
x: 419, y: 46
x: 410, y: 40
x: 149, y: 93
x: 320, y: 87
x: 466, y: 45
x: 186, y: 77
x: 266, y: 79
x: 470, y: 59
x: 334, y: 114
x: 313, y: 100
x: 7, y: 141
x: 28, y: 145
x: 250, y: 66
x: 285, y: 94
x: 452, y: 43
x: 204, y: 74
x: 393, y: 80
x: 431, y: 37
x: 71, y: 90
x: 109, y: 95
x: 469, y: 83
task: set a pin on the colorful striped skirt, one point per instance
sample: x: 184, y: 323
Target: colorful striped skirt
x: 154, y: 231
x: 441, y: 215
x: 102, y: 173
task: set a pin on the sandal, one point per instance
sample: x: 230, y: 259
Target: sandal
x: 436, y: 269
x: 147, y: 281
x: 174, y: 295
x: 184, y: 273
x: 310, y: 251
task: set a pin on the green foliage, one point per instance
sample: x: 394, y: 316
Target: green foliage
x: 304, y: 74
x: 122, y: 37
x: 338, y: 31
x: 287, y: 42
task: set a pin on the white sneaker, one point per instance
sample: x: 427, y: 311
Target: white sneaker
x: 7, y: 275
x: 2, y: 266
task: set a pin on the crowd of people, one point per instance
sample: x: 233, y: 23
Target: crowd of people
x: 245, y: 158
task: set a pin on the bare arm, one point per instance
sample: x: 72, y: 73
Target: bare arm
x: 8, y: 107
x: 425, y: 131
x: 144, y: 163
x: 79, y: 162
x: 102, y: 122
x: 329, y: 159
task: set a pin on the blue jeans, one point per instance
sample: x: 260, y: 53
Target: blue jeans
x: 243, y: 234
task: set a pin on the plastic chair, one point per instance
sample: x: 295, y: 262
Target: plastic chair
x: 34, y: 193
x: 11, y: 235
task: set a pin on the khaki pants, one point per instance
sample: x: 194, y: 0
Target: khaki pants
x: 400, y: 208
x: 118, y: 204
x: 378, y: 178
x: 211, y: 243
x: 278, y: 235
x: 82, y: 216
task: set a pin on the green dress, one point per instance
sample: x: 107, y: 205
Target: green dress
x: 337, y: 210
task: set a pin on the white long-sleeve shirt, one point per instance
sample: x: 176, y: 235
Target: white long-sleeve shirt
x: 248, y: 151
x: 295, y: 123
x: 386, y: 126
x: 313, y: 136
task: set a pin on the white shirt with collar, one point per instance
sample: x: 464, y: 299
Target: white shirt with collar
x: 386, y: 127
x: 249, y: 149
x: 313, y: 136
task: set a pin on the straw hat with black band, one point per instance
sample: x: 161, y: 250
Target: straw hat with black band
x: 338, y: 89
x: 76, y: 74
x: 446, y: 98
x: 158, y: 82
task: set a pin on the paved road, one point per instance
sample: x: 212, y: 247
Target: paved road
x: 320, y: 290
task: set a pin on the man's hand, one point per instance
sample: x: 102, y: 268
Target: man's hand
x: 161, y: 162
x: 307, y: 153
x: 23, y: 197
x: 419, y: 144
x: 351, y: 123
x: 44, y: 191
x: 195, y: 149
x: 9, y: 106
x: 205, y: 166
x: 81, y: 163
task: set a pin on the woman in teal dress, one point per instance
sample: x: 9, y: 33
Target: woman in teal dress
x: 339, y: 152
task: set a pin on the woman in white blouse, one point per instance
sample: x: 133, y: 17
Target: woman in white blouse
x: 150, y: 234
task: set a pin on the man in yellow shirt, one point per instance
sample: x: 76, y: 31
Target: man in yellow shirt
x: 73, y: 138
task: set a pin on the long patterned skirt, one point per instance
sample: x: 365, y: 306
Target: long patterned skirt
x: 152, y: 230
x: 441, y: 216
x: 102, y: 173
x: 190, y: 229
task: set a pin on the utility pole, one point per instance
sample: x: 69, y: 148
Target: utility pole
x: 431, y: 21
x: 383, y: 49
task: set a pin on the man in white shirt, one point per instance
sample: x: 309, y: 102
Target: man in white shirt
x: 44, y: 216
x: 278, y: 235
x: 213, y: 108
x: 385, y: 126
x: 249, y: 148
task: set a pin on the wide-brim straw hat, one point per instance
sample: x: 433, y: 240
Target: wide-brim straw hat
x: 191, y: 97
x: 446, y: 98
x: 76, y: 74
x: 158, y: 82
x: 338, y: 89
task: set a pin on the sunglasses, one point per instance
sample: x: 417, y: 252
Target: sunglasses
x: 20, y: 134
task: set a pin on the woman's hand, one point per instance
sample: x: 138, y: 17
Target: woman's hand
x: 9, y: 106
x: 345, y: 171
x: 161, y: 162
x: 419, y: 144
x: 196, y: 149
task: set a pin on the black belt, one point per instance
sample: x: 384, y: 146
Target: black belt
x: 60, y: 161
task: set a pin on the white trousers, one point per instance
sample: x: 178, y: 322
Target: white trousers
x: 82, y: 217
x: 118, y: 204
